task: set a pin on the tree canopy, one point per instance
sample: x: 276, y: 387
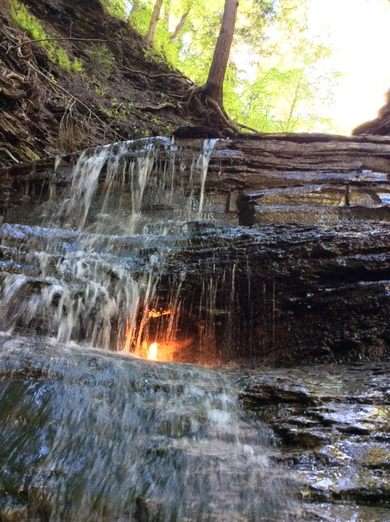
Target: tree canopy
x: 274, y: 81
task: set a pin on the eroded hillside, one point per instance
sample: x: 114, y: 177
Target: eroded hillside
x: 89, y: 79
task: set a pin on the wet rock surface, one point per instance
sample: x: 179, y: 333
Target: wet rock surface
x: 91, y: 436
x: 301, y: 293
x: 113, y: 437
x: 131, y: 258
x: 295, y: 294
x: 333, y: 424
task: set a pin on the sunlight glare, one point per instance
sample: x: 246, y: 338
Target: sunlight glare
x: 357, y: 31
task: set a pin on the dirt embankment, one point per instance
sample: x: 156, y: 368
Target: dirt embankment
x: 120, y: 89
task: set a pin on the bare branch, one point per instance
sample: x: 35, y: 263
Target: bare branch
x: 179, y: 27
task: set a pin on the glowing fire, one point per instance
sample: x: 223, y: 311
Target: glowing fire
x: 164, y: 351
x: 152, y: 352
x: 154, y: 314
x: 149, y: 342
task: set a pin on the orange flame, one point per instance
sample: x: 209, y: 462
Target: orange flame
x: 164, y: 351
x: 152, y: 352
x: 161, y: 348
x: 154, y: 314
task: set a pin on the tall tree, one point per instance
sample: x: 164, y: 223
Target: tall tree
x: 217, y: 72
x: 180, y: 25
x: 278, y: 79
x: 156, y: 13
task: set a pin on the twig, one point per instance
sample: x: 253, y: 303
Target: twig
x: 247, y: 128
x: 3, y: 149
x: 180, y: 25
x: 177, y: 76
x: 57, y: 39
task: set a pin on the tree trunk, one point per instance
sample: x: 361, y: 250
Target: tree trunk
x: 293, y: 106
x: 154, y: 21
x: 167, y: 13
x: 180, y: 25
x: 214, y: 85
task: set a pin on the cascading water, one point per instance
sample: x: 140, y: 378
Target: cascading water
x: 82, y: 288
x: 115, y: 438
x: 112, y: 439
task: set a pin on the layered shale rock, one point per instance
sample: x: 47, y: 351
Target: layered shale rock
x: 307, y: 280
x: 333, y: 425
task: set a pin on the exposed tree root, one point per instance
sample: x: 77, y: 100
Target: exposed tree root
x: 158, y: 76
x: 251, y: 129
x: 216, y: 116
x: 6, y: 151
x: 26, y: 42
x: 45, y: 110
x: 230, y: 125
x: 160, y: 107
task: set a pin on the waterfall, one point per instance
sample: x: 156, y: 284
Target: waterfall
x: 92, y: 274
x: 113, y: 438
x: 88, y: 434
x: 203, y: 165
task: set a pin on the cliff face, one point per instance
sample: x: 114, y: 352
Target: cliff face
x: 90, y: 79
x: 381, y: 125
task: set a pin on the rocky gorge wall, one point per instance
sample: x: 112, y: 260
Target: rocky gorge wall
x: 306, y: 279
x: 287, y: 261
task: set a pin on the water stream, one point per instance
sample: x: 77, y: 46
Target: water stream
x: 111, y: 439
x: 89, y: 271
x: 95, y: 436
x: 101, y: 421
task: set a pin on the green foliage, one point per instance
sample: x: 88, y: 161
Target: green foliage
x: 101, y: 61
x: 57, y: 54
x: 288, y: 89
x: 140, y: 16
x: 273, y: 81
x: 117, y: 8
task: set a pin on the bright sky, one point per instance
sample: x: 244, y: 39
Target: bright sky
x: 358, y: 32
